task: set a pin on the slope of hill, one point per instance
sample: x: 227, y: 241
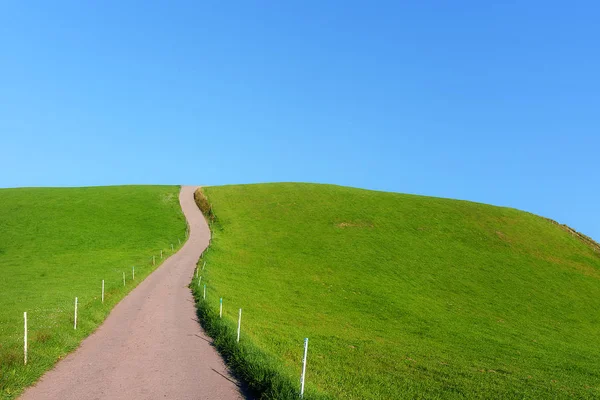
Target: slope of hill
x: 56, y: 244
x: 405, y: 296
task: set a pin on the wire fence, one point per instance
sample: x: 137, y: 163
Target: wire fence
x: 40, y: 324
x: 201, y: 288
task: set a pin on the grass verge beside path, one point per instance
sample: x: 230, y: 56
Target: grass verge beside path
x: 59, y: 243
x: 261, y: 374
x: 401, y: 296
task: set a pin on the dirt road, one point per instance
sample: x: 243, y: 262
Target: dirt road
x: 150, y: 346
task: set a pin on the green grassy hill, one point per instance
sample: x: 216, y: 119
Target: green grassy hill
x: 56, y: 244
x: 403, y: 296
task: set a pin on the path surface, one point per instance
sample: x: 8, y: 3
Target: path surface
x: 151, y: 345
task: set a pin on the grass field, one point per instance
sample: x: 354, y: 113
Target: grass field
x: 56, y: 244
x: 401, y: 296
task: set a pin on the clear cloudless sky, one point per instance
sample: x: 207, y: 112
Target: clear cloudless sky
x: 496, y: 102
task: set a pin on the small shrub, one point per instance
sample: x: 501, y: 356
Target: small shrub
x: 204, y: 205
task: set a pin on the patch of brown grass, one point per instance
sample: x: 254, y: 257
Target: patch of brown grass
x: 503, y: 237
x: 354, y: 225
x: 11, y: 357
x: 42, y: 336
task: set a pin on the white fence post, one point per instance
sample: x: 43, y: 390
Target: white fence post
x: 303, y: 368
x: 239, y: 324
x: 75, y: 324
x: 103, y: 290
x: 25, y: 338
x: 221, y: 308
x: 133, y: 273
x: 199, y: 280
x: 123, y: 278
x: 204, y: 297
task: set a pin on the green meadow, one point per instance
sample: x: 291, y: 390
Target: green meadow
x: 56, y: 244
x: 401, y: 296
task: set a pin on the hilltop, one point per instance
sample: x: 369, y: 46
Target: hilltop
x: 404, y: 296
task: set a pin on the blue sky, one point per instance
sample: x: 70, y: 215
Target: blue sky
x: 497, y: 103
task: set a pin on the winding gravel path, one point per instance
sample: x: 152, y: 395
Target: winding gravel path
x: 151, y: 345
